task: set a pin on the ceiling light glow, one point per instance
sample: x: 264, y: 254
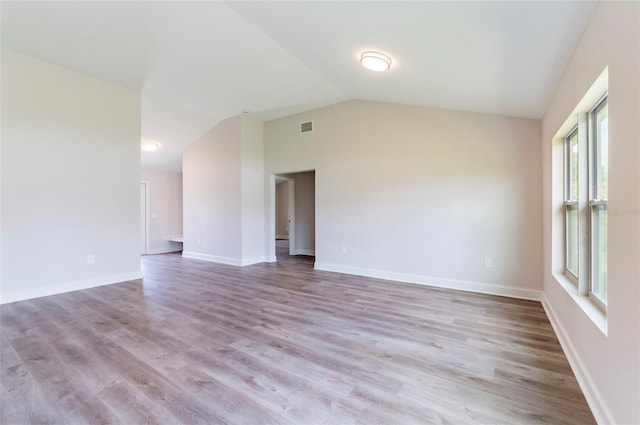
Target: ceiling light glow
x: 149, y: 145
x: 375, y: 61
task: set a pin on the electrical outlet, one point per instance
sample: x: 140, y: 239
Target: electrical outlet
x: 199, y: 241
x: 344, y: 249
x: 90, y: 259
x: 488, y: 262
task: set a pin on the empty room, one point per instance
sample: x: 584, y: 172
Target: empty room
x: 320, y: 212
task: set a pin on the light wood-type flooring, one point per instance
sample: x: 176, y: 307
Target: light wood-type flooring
x: 201, y: 343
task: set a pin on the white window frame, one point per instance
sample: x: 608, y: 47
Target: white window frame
x: 586, y: 201
x: 580, y: 117
x: 570, y: 201
x: 596, y: 202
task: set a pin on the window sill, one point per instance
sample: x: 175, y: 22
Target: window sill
x: 590, y: 309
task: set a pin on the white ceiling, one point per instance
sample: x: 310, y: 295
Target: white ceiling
x: 199, y: 62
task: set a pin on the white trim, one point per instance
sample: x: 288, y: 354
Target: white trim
x: 60, y: 288
x: 240, y: 262
x: 594, y: 399
x: 212, y: 258
x: 282, y: 236
x: 163, y: 250
x: 590, y: 309
x: 174, y: 238
x: 597, y: 90
x: 311, y: 252
x: 462, y: 285
x: 271, y: 259
x: 250, y: 261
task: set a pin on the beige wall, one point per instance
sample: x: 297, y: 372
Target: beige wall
x: 418, y: 194
x: 607, y: 366
x: 70, y: 180
x: 223, y: 194
x: 164, y: 215
x: 212, y: 193
x: 252, y: 188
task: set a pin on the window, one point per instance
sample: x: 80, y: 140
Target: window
x: 585, y: 202
x: 571, y: 203
x: 598, y: 148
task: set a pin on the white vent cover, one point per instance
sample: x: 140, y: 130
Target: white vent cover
x: 306, y: 127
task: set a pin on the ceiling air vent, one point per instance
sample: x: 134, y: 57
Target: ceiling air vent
x: 306, y: 127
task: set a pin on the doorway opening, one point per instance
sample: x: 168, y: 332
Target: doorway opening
x: 293, y: 218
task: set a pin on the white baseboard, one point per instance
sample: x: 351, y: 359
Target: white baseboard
x: 483, y: 288
x: 594, y: 399
x: 60, y: 288
x: 250, y: 261
x: 282, y: 236
x: 163, y: 250
x: 223, y: 260
x: 271, y: 259
x: 212, y: 258
x: 306, y: 252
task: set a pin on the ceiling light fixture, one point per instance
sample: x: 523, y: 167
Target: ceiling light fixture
x: 375, y: 61
x: 149, y: 145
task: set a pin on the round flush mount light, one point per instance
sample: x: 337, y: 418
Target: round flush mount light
x: 149, y: 145
x: 375, y: 61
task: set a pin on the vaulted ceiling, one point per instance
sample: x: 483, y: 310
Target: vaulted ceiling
x: 196, y: 63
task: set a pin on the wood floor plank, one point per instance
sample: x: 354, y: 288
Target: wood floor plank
x: 203, y: 343
x: 294, y: 396
x: 23, y: 401
x: 232, y: 405
x: 8, y: 355
x: 60, y: 385
x: 132, y: 407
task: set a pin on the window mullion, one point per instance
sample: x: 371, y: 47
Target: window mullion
x: 583, y: 205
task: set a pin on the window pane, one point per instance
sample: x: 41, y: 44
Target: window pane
x: 599, y: 261
x: 572, y: 239
x: 602, y: 152
x: 572, y: 163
